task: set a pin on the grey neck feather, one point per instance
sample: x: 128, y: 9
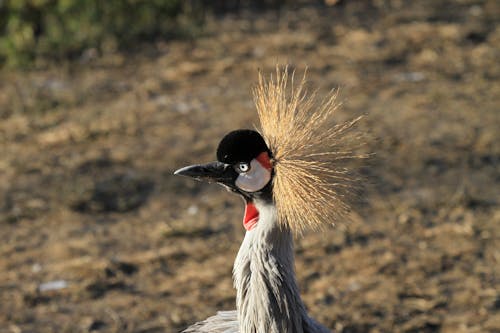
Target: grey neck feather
x: 268, y: 298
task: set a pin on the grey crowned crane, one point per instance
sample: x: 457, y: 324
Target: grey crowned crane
x: 291, y: 175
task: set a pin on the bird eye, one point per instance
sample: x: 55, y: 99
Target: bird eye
x: 243, y: 167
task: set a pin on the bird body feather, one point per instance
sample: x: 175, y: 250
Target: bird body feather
x: 222, y: 322
x: 268, y: 298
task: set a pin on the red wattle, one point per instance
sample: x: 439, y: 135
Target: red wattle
x: 251, y: 216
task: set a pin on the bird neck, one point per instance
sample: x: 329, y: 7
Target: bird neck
x: 268, y: 298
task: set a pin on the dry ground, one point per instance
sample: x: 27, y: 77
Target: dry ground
x: 88, y: 197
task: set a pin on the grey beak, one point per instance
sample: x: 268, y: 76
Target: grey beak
x: 213, y: 172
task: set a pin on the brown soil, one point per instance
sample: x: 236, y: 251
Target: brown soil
x: 88, y: 196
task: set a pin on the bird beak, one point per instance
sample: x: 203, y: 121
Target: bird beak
x: 213, y: 172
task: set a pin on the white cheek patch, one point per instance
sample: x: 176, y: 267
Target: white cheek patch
x: 255, y: 179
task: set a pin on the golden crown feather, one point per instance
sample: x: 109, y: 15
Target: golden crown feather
x: 312, y: 184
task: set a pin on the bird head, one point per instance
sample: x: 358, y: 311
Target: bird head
x: 243, y: 166
x: 299, y: 161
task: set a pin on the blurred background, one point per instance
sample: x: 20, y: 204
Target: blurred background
x: 100, y: 101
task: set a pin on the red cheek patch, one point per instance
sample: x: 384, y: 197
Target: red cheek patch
x: 251, y: 216
x: 264, y: 160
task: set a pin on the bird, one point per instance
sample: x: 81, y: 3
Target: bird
x: 292, y: 174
